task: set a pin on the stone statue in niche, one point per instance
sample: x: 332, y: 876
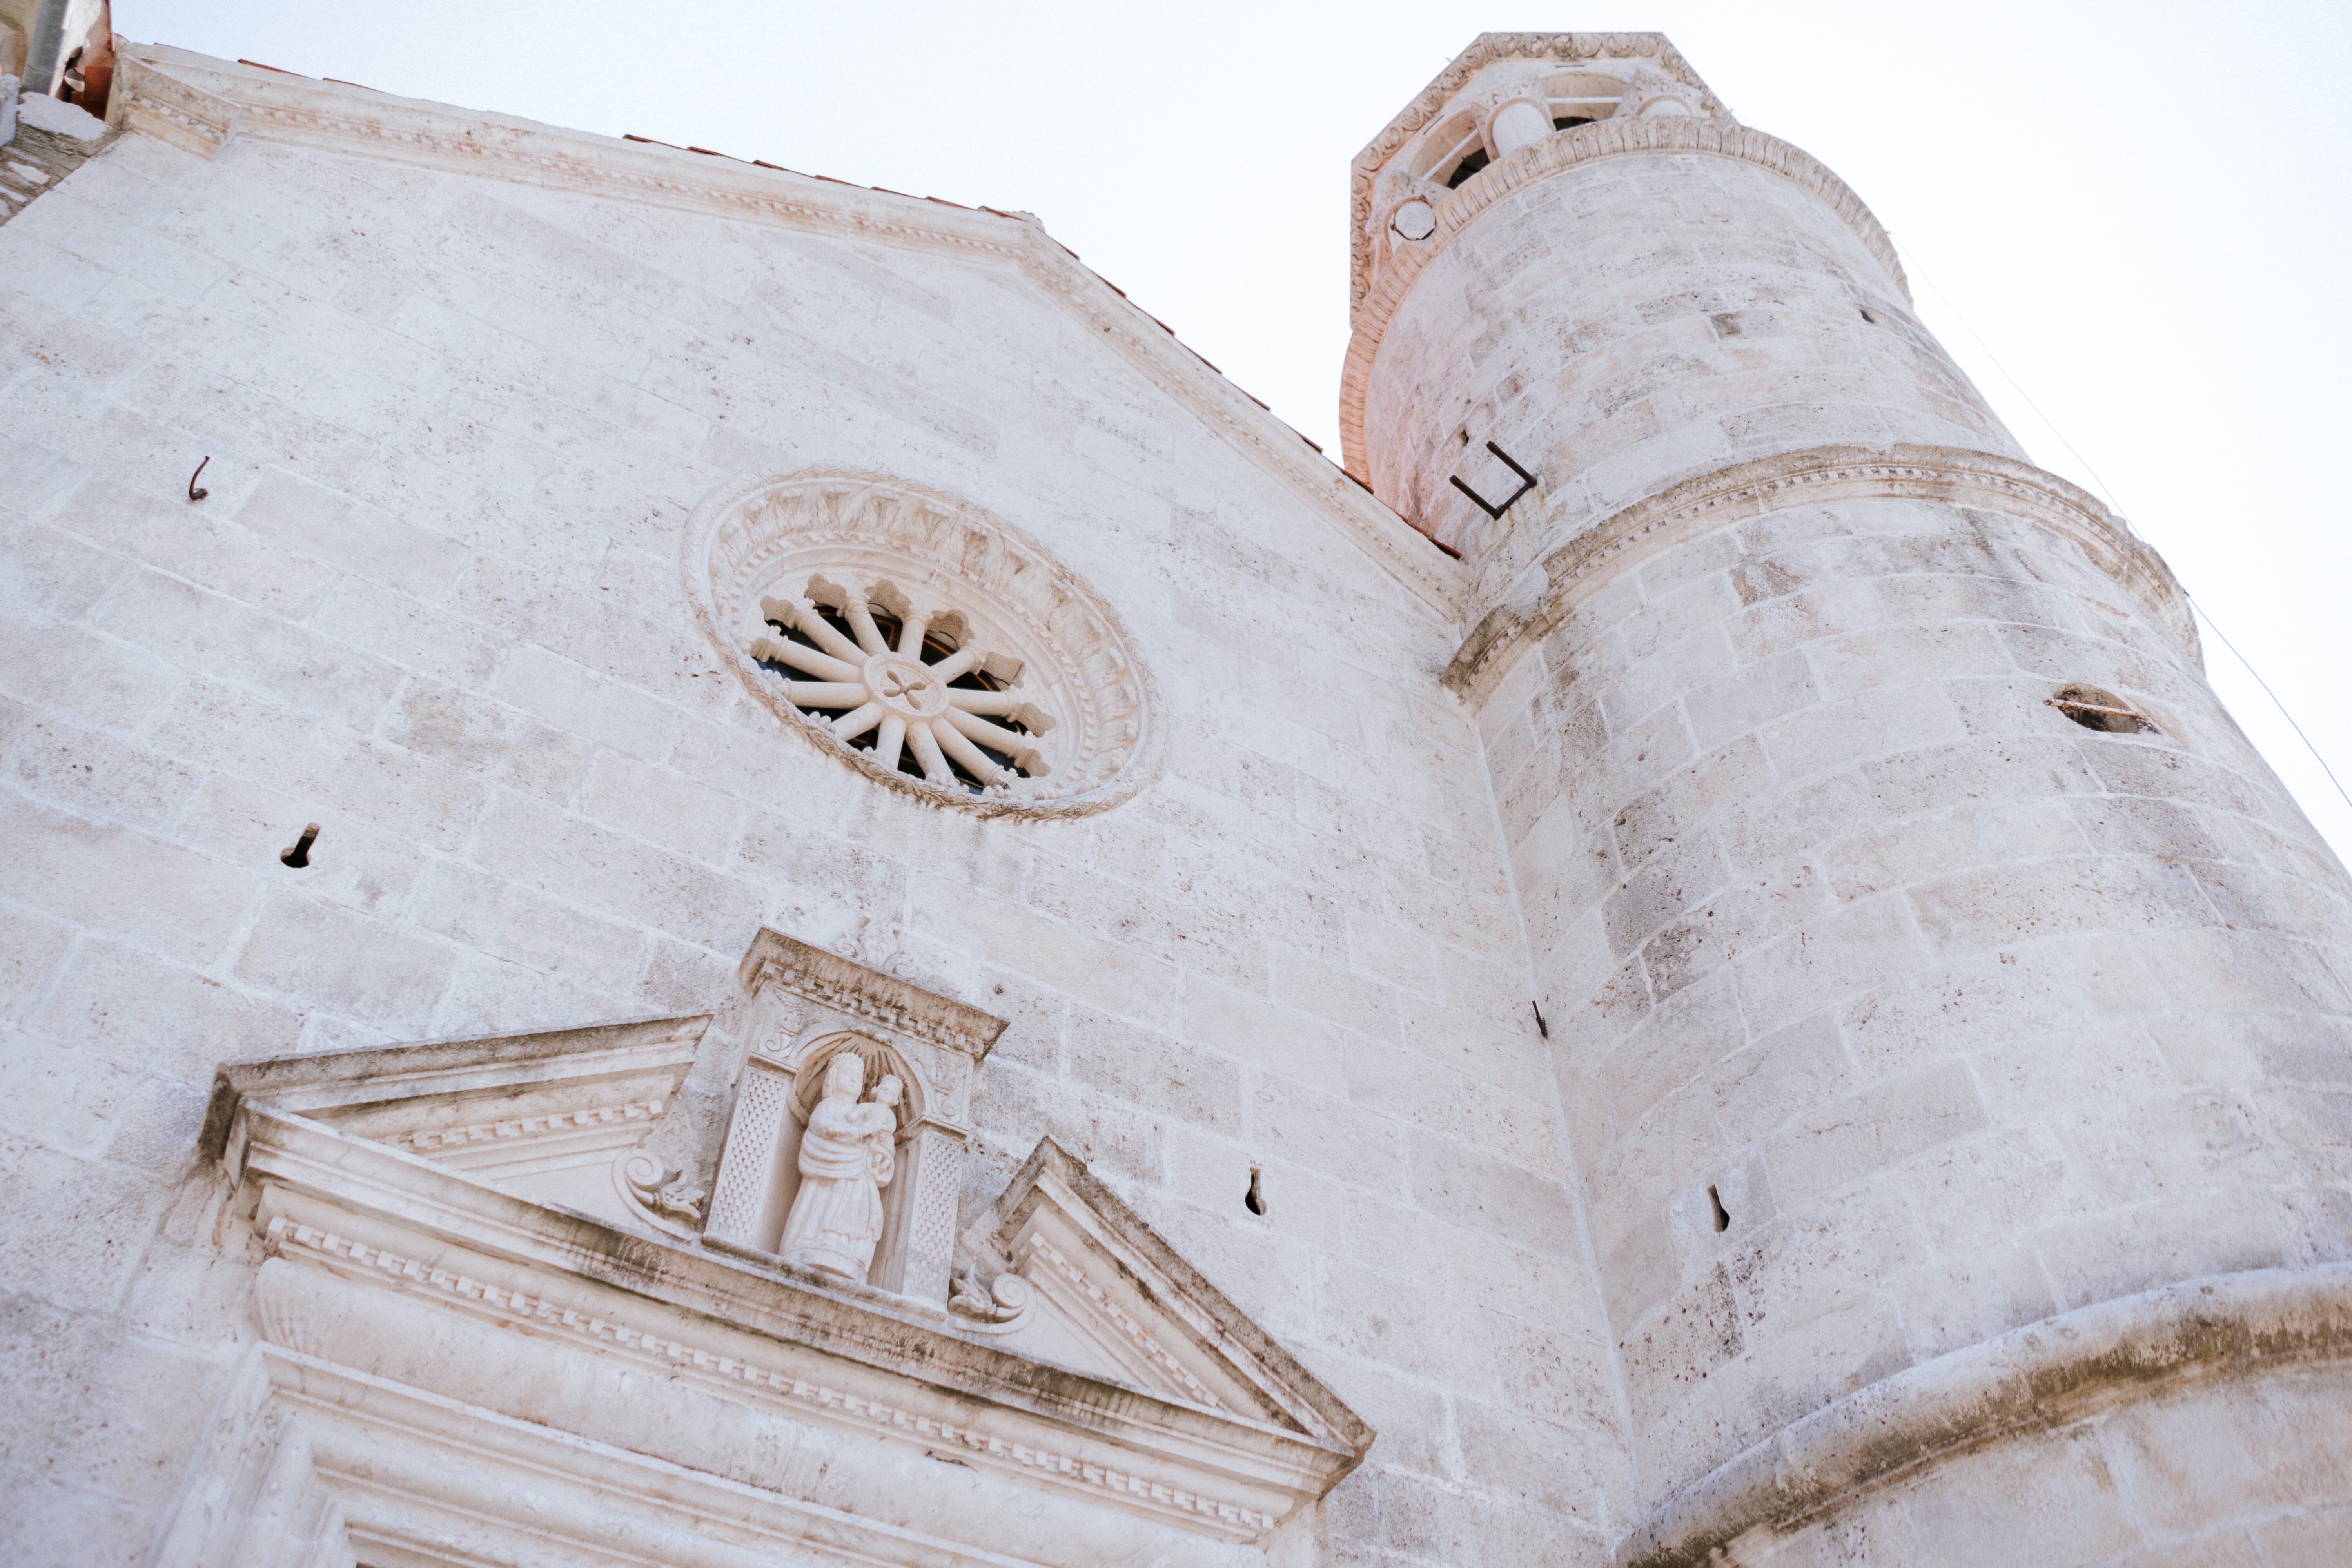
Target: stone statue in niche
x: 847, y: 1156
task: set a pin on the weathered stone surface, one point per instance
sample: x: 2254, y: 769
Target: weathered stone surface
x: 1662, y: 1006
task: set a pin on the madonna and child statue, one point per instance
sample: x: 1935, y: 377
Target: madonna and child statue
x: 847, y: 1156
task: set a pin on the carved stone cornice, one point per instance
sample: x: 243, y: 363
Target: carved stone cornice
x: 851, y: 1359
x: 506, y: 1129
x: 847, y: 987
x: 2039, y: 1376
x: 1057, y: 1209
x: 269, y: 106
x: 1540, y: 160
x: 445, y: 1096
x: 1623, y: 541
x: 1485, y: 50
x: 681, y: 1353
x: 145, y: 99
x: 356, y: 1465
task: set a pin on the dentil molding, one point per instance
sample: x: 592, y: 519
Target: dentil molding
x: 1623, y: 541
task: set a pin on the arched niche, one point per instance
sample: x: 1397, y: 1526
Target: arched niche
x: 808, y: 1005
x: 759, y: 1174
x: 808, y: 1083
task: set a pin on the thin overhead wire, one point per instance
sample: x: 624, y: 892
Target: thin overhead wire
x: 2208, y: 618
x: 1912, y: 262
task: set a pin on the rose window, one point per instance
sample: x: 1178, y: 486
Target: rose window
x: 905, y: 684
x: 939, y: 650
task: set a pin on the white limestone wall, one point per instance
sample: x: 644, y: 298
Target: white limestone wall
x: 1969, y: 1015
x: 1621, y: 324
x: 433, y: 604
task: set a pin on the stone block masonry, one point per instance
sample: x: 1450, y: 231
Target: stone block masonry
x: 1939, y: 1151
x: 1873, y: 962
x: 456, y: 425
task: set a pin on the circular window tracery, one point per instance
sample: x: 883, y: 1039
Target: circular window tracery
x: 900, y: 683
x: 924, y: 641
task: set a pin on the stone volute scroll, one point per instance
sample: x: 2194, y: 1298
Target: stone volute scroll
x: 845, y: 1148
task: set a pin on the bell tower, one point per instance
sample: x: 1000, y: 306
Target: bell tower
x: 1950, y: 1007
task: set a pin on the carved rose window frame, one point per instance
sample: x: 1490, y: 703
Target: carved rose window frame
x: 924, y: 641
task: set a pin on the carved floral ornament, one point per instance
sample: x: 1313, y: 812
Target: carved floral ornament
x: 925, y: 642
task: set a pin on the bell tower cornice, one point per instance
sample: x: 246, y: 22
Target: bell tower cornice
x: 1576, y: 271
x: 1388, y: 263
x: 1495, y: 68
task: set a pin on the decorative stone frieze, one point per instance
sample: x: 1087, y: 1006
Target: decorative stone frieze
x: 171, y: 110
x: 1619, y: 543
x: 829, y: 979
x: 937, y: 650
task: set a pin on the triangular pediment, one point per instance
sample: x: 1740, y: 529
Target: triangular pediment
x: 544, y: 1114
x: 1105, y: 1295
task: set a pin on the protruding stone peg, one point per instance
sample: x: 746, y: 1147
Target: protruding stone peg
x: 300, y: 856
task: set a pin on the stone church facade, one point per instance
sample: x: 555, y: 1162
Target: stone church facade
x: 751, y: 878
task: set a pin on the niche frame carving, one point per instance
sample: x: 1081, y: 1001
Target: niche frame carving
x: 808, y: 1005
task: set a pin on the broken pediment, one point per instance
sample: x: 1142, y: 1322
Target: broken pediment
x: 1100, y: 1292
x: 455, y: 1225
x: 544, y: 1114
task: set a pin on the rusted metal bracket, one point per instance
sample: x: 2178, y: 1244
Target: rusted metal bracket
x: 1526, y: 483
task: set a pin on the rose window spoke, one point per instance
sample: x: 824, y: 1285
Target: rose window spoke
x: 890, y: 680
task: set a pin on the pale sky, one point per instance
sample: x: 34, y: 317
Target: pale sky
x: 2142, y: 212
